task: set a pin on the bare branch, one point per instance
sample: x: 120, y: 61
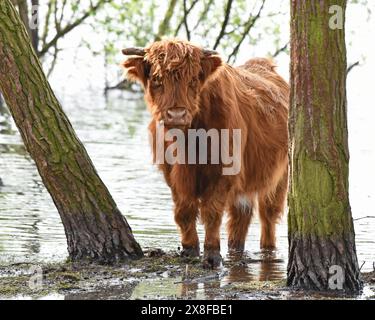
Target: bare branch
x: 46, y: 22
x: 61, y: 18
x: 69, y: 27
x: 367, y: 217
x: 54, y: 61
x: 279, y: 50
x: 353, y: 65
x: 185, y: 21
x: 186, y: 14
x: 203, y: 14
x: 224, y: 24
x: 251, y: 22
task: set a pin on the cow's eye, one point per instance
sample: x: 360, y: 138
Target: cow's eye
x: 156, y: 83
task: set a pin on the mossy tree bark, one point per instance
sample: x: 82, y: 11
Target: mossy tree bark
x: 94, y: 226
x: 321, y: 233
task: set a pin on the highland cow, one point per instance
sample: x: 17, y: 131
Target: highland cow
x: 188, y: 87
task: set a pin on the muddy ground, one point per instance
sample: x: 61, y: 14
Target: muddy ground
x: 157, y: 276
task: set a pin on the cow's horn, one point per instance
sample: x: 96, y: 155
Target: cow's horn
x: 134, y: 52
x: 208, y: 52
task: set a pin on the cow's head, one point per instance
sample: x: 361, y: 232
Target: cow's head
x: 172, y: 72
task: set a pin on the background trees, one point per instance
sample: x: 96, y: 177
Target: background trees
x: 219, y: 25
x: 226, y: 26
x: 47, y: 22
x: 320, y: 226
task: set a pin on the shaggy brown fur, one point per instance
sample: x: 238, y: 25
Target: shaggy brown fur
x: 253, y: 98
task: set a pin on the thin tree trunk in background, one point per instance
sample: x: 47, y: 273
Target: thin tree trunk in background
x: 321, y: 232
x: 164, y: 26
x: 35, y: 31
x: 94, y: 226
x: 24, y: 14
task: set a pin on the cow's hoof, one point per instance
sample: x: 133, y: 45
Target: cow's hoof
x: 268, y: 247
x: 212, y: 260
x: 190, y: 252
x: 234, y: 254
x: 236, y: 247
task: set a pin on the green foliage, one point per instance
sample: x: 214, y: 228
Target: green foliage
x: 120, y: 23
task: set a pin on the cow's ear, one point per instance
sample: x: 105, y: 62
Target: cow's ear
x: 210, y: 64
x: 137, y: 69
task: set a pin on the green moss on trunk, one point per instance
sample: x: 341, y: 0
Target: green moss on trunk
x: 321, y: 232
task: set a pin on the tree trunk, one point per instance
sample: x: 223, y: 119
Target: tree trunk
x: 94, y: 226
x: 321, y: 232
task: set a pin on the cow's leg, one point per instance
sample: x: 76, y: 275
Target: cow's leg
x: 211, y: 215
x: 186, y: 215
x: 240, y: 214
x: 271, y: 209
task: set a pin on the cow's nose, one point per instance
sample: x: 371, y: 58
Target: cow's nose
x: 176, y: 115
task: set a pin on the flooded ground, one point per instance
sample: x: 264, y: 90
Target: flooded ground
x: 114, y: 131
x: 161, y: 276
x: 115, y: 135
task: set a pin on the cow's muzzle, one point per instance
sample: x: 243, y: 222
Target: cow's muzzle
x: 177, y: 117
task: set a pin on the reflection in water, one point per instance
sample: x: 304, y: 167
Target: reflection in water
x: 114, y: 131
x: 263, y: 266
x: 189, y: 290
x: 259, y: 266
x: 119, y: 292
